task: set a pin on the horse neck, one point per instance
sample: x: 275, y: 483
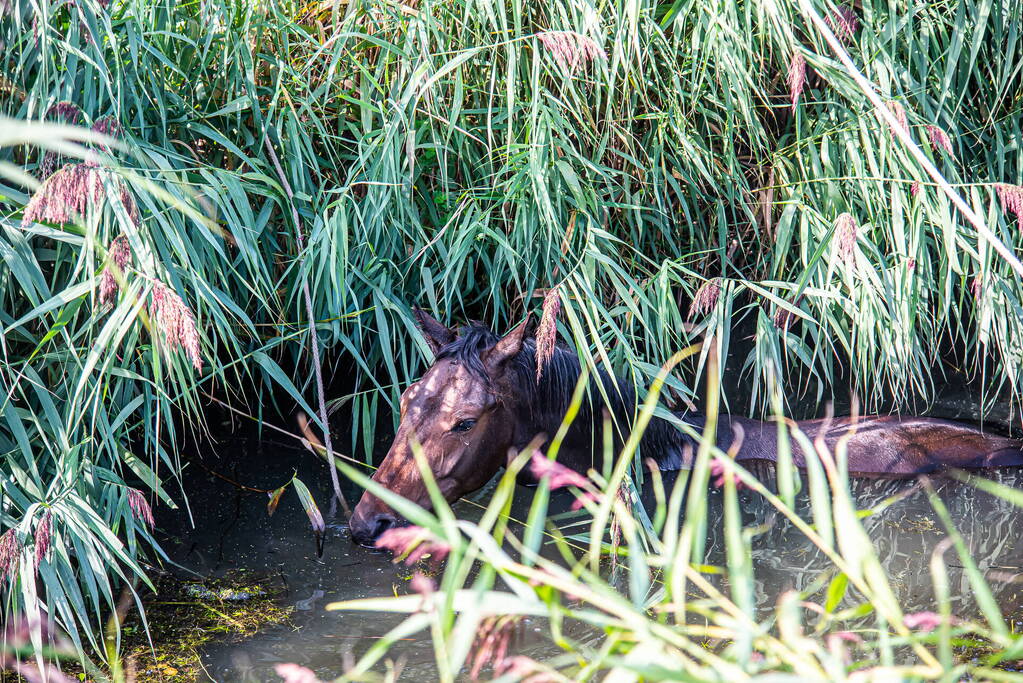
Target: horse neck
x: 541, y: 406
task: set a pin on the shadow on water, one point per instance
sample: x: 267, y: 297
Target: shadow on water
x: 233, y: 531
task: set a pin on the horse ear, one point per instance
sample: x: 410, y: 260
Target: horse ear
x: 508, y: 347
x: 435, y: 333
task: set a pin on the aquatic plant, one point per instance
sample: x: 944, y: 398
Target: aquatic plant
x: 10, y: 552
x: 119, y: 255
x: 844, y: 22
x: 66, y: 195
x: 557, y: 475
x: 18, y: 655
x: 705, y: 299
x: 846, y: 232
x: 43, y: 535
x: 1012, y: 199
x: 140, y: 507
x: 293, y: 673
x: 63, y: 112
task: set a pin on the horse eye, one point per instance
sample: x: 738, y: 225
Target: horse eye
x: 464, y: 426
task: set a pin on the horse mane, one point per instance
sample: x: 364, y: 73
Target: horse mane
x: 548, y: 400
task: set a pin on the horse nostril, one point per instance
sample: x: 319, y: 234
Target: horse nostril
x: 382, y: 524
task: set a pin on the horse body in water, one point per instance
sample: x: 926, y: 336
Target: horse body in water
x: 480, y: 401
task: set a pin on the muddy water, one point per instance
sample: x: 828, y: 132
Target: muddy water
x: 233, y: 531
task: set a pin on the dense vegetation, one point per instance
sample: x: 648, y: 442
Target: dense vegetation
x: 655, y: 162
x: 629, y: 597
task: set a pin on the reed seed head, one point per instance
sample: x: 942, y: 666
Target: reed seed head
x: 571, y: 50
x: 528, y: 670
x: 422, y: 584
x: 977, y: 287
x: 108, y: 125
x: 65, y: 196
x: 50, y: 161
x: 783, y: 318
x: 899, y: 112
x: 939, y: 139
x: 140, y: 507
x: 706, y: 298
x: 118, y: 255
x: 925, y: 621
x: 585, y: 497
x: 547, y: 332
x: 44, y: 531
x: 837, y: 643
x: 844, y: 23
x: 721, y: 472
x: 18, y: 634
x: 847, y: 233
x: 10, y: 550
x: 120, y: 252
x: 127, y: 200
x: 914, y: 189
x: 107, y: 287
x: 1012, y: 199
x: 175, y: 322
x: 63, y: 112
x: 796, y: 77
x: 520, y: 666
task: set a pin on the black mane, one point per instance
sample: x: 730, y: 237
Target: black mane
x: 548, y: 401
x: 467, y: 348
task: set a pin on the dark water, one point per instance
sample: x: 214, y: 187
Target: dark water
x: 233, y: 531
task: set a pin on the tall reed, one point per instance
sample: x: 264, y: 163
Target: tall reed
x: 468, y: 158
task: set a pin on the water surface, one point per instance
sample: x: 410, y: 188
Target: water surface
x: 233, y: 531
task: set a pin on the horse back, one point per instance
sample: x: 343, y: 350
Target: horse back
x: 899, y: 446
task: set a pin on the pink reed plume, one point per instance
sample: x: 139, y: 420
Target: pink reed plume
x: 571, y: 50
x: 175, y: 322
x: 547, y: 331
x: 796, y: 78
x: 140, y: 507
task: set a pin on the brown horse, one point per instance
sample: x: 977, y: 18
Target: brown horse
x: 480, y: 401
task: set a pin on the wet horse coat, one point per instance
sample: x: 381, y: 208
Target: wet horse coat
x: 480, y: 401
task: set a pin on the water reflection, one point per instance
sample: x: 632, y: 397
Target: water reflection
x: 905, y: 535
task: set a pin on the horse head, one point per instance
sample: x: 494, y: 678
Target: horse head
x: 461, y: 415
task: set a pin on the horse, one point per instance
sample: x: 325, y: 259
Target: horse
x: 480, y: 403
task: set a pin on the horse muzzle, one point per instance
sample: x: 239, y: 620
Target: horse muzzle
x: 367, y: 525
